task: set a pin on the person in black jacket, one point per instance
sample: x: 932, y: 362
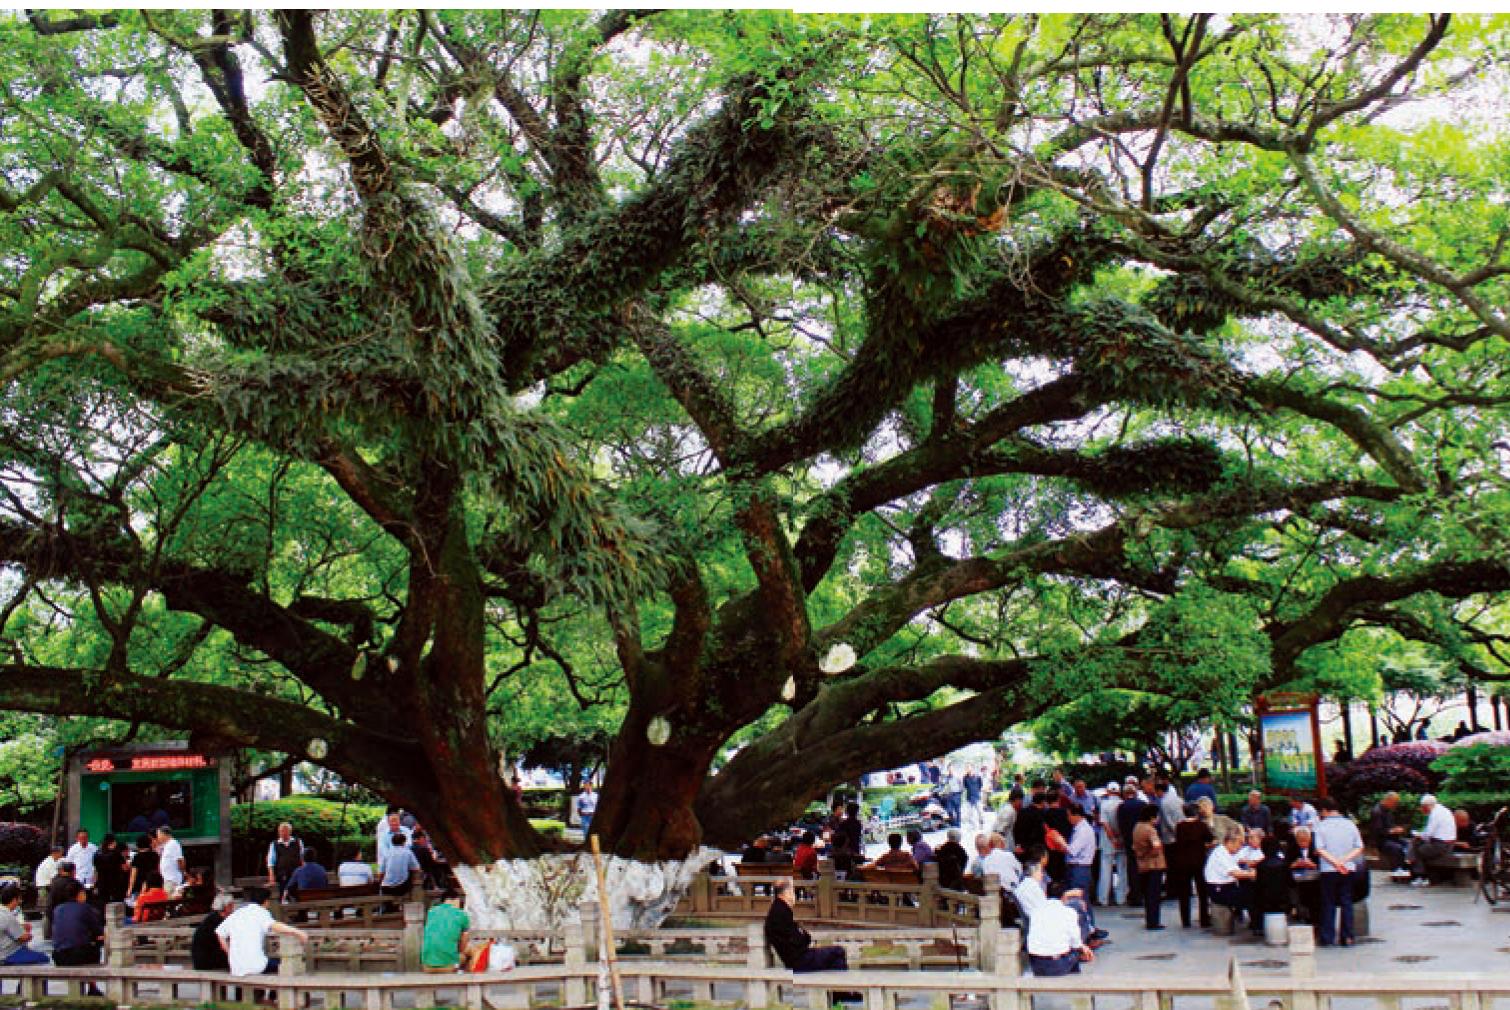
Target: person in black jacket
x: 1128, y: 816
x: 206, y: 950
x: 952, y: 859
x: 792, y: 943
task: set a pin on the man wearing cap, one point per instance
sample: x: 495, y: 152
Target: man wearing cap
x: 1112, y: 881
x: 1433, y: 842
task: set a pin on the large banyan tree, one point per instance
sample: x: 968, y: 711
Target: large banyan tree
x: 848, y: 388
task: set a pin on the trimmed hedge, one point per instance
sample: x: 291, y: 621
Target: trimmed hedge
x: 316, y: 822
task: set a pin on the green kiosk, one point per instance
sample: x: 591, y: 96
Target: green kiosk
x: 128, y: 790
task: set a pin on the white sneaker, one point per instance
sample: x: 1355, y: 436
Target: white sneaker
x: 1420, y: 882
x: 1400, y: 875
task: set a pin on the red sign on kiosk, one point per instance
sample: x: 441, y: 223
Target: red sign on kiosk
x: 146, y: 763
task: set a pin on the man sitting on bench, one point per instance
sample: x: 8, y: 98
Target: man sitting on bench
x: 1432, y: 843
x: 792, y: 943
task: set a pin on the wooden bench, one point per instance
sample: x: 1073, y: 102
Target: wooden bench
x: 335, y: 893
x: 1463, y: 866
x: 887, y: 875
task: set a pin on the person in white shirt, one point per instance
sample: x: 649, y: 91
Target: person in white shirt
x: 385, y: 829
x: 1031, y: 896
x: 1434, y: 842
x: 1113, y: 880
x: 355, y: 872
x: 81, y: 855
x: 1001, y: 862
x: 1056, y: 938
x: 1302, y: 814
x: 1228, y: 882
x: 170, y: 856
x: 244, y: 933
x: 48, y: 868
x: 1338, y: 846
x: 1252, y: 851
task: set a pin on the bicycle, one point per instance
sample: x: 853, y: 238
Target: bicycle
x: 1494, y: 864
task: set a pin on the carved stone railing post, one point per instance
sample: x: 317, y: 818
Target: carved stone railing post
x: 414, y: 936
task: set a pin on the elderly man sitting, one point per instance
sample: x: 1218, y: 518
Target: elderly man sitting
x: 1432, y: 842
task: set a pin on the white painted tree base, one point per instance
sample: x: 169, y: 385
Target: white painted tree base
x: 544, y: 893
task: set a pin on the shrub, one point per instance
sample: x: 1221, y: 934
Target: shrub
x: 1407, y: 814
x: 1350, y: 784
x: 21, y: 844
x: 1480, y: 767
x: 1418, y: 755
x: 1481, y: 804
x: 547, y: 827
x: 316, y: 822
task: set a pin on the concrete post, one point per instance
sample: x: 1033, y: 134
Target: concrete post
x: 414, y: 936
x: 291, y: 964
x: 928, y: 897
x: 988, y: 932
x: 118, y: 952
x: 826, y: 882
x: 591, y: 932
x: 757, y: 992
x: 575, y: 961
x: 701, y: 894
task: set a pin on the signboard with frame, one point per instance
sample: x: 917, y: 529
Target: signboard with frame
x: 1289, y: 733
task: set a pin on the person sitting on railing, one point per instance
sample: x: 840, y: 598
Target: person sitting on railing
x: 152, y: 903
x: 952, y: 858
x: 994, y: 859
x: 922, y: 852
x: 446, y: 927
x: 895, y: 857
x: 1032, y: 895
x: 78, y: 931
x: 1055, y: 944
x: 399, y: 866
x: 792, y: 944
x: 805, y: 859
x: 309, y: 876
x: 15, y: 934
x: 244, y: 932
x: 205, y: 949
x: 356, y: 871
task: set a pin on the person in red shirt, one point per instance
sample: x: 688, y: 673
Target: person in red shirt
x: 805, y: 859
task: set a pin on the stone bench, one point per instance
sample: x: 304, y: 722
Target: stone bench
x: 1463, y: 866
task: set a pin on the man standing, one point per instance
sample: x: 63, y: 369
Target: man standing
x: 1006, y: 818
x: 1080, y: 857
x: 1339, y: 845
x: 110, y: 870
x: 1129, y: 814
x: 81, y: 855
x: 284, y: 856
x: 1302, y: 814
x: 1387, y: 836
x: 170, y: 860
x: 1201, y: 787
x: 1112, y: 884
x: 792, y: 943
x: 952, y: 789
x: 974, y: 788
x: 48, y: 868
x: 1434, y: 842
x: 587, y: 805
x: 1256, y: 815
x: 387, y: 827
x: 244, y: 933
x: 1171, y: 810
x: 1028, y: 831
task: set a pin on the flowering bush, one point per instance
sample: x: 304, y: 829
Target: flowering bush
x: 21, y: 844
x: 1418, y: 755
x: 1350, y: 784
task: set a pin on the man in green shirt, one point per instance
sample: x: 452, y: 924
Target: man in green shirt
x: 446, y: 928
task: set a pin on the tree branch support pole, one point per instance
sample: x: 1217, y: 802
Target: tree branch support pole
x: 608, y: 951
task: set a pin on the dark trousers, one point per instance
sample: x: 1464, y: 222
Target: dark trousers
x: 1134, y: 881
x: 1180, y: 884
x: 1393, y: 851
x: 952, y: 806
x: 1423, y: 852
x: 1336, y: 895
x: 823, y: 959
x: 75, y: 957
x: 1153, y: 895
x: 1048, y: 967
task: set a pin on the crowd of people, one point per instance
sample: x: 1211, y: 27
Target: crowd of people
x: 75, y: 886
x: 1059, y: 848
